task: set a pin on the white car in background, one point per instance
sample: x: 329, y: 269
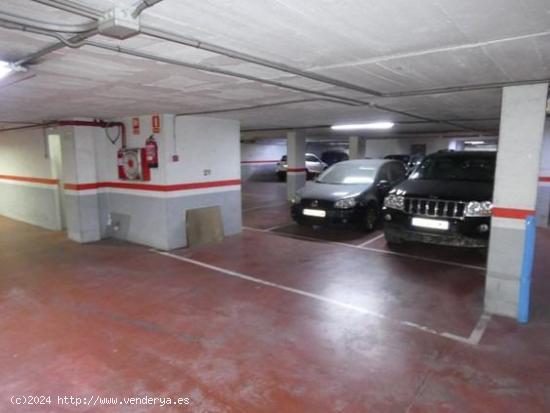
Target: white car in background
x: 314, y: 166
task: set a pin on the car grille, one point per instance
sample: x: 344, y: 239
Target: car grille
x: 317, y: 203
x: 435, y: 207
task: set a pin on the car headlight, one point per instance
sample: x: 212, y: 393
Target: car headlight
x: 296, y: 199
x: 478, y: 209
x: 345, y: 203
x: 395, y: 202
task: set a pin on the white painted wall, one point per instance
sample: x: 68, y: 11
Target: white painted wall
x: 23, y: 154
x: 208, y: 149
x: 259, y: 159
x: 259, y: 151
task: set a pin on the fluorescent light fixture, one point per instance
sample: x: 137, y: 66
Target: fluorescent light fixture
x: 475, y: 142
x: 5, y: 69
x: 356, y: 126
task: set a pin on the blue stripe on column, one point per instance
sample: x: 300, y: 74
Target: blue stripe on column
x: 527, y: 269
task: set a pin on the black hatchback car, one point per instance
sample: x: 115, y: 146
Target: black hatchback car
x: 446, y: 200
x: 349, y: 192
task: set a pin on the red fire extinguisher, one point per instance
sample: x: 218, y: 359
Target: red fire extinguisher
x: 151, y: 152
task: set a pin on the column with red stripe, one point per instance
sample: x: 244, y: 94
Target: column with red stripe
x: 296, y: 169
x: 523, y: 114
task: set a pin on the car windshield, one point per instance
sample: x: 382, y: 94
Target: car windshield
x: 348, y: 174
x: 456, y: 168
x: 283, y: 159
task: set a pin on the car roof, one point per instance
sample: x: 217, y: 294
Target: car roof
x: 373, y: 163
x: 469, y: 154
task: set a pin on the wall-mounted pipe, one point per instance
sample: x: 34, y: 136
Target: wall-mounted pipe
x: 58, y: 123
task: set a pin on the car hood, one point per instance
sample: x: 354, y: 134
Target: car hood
x: 331, y: 192
x: 450, y: 190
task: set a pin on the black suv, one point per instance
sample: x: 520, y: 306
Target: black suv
x: 446, y: 200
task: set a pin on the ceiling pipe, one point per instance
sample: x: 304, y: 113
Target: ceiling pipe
x: 233, y: 54
x: 190, y: 42
x: 144, y: 4
x: 265, y: 105
x: 43, y: 25
x: 211, y: 69
x: 72, y: 7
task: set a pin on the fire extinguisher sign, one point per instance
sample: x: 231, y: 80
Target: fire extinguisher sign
x: 156, y: 123
x: 135, y: 126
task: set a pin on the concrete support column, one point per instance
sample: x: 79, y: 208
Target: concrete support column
x: 79, y: 171
x: 543, y: 197
x: 518, y: 160
x: 296, y: 172
x: 357, y: 147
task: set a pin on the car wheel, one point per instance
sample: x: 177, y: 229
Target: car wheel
x: 371, y: 218
x: 281, y: 176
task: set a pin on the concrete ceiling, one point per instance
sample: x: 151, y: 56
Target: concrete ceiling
x: 387, y: 45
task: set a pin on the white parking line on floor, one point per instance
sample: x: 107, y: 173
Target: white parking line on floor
x: 473, y: 339
x: 276, y: 227
x: 364, y: 248
x: 479, y: 330
x: 265, y: 206
x: 371, y: 240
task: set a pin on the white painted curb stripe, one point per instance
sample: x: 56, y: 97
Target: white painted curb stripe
x: 474, y: 338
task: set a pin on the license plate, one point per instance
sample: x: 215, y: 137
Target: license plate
x: 430, y: 223
x: 319, y: 213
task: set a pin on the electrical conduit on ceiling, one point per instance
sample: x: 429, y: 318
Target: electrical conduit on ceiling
x: 137, y: 53
x: 191, y: 42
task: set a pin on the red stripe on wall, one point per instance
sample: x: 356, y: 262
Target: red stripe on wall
x: 296, y: 170
x: 544, y: 179
x: 248, y: 162
x: 153, y: 187
x: 33, y: 180
x: 512, y: 213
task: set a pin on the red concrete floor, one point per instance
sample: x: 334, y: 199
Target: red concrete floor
x: 111, y: 319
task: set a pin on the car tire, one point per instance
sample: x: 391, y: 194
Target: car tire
x: 370, y: 219
x: 281, y: 176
